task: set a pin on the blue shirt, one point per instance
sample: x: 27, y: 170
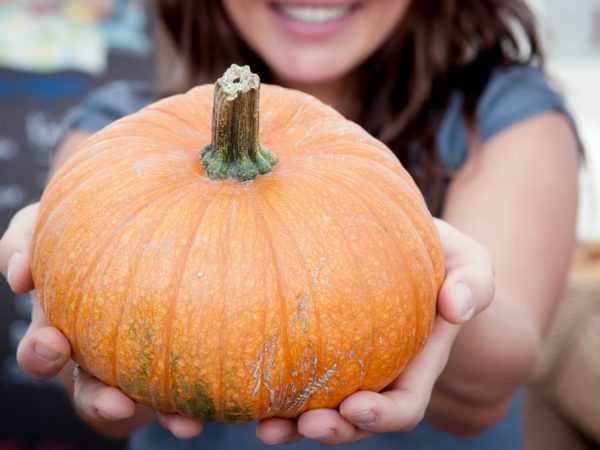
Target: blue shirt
x: 512, y: 95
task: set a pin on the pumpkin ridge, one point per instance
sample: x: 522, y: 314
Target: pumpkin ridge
x: 265, y: 338
x: 118, y: 380
x: 211, y: 196
x: 149, y: 396
x: 133, y: 274
x: 283, y: 331
x: 179, y: 271
x: 293, y: 239
x: 155, y: 204
x: 222, y: 350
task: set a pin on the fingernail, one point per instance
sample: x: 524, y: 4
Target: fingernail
x: 46, y: 354
x: 464, y: 301
x: 364, y: 418
x: 329, y: 436
x: 12, y: 265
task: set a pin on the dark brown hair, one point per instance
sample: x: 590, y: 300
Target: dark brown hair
x: 439, y: 48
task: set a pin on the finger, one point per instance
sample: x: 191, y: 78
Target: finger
x: 469, y: 285
x: 328, y: 427
x: 277, y: 431
x: 99, y: 401
x: 180, y: 426
x: 44, y: 350
x: 14, y: 249
x: 18, y: 272
x: 467, y: 290
x: 402, y: 407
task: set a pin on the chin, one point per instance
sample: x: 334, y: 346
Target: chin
x: 300, y: 79
x: 297, y: 72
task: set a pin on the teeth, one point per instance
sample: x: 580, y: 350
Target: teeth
x: 314, y: 14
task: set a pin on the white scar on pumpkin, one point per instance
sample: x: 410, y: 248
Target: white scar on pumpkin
x: 317, y: 273
x: 257, y: 372
x: 313, y: 387
x: 301, y: 317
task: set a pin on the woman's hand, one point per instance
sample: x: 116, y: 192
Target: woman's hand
x: 467, y: 290
x: 44, y: 351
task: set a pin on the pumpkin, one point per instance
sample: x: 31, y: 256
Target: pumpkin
x: 228, y: 271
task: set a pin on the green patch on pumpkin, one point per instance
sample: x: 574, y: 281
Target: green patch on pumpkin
x: 234, y: 412
x: 200, y: 404
x: 145, y: 358
x: 126, y: 385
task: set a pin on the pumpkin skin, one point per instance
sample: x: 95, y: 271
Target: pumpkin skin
x: 232, y: 301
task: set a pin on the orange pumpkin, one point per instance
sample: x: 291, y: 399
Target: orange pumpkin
x: 258, y: 287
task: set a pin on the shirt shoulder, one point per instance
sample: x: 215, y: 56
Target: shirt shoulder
x: 512, y: 95
x: 107, y: 104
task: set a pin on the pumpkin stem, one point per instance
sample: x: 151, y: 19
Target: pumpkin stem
x: 235, y: 152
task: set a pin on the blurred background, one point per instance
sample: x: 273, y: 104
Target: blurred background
x: 53, y: 52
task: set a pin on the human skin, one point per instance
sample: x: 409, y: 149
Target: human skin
x: 505, y: 196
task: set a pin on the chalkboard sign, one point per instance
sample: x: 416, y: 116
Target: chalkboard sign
x: 38, y: 415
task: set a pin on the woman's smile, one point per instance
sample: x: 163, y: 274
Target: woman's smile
x: 313, y: 20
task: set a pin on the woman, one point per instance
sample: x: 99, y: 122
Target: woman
x: 456, y: 90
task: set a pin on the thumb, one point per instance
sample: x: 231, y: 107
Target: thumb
x: 469, y: 285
